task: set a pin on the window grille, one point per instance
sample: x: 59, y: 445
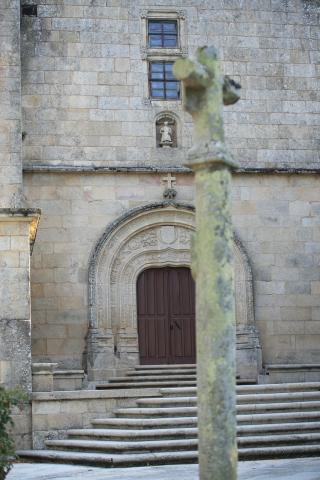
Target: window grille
x: 162, y: 33
x: 162, y: 83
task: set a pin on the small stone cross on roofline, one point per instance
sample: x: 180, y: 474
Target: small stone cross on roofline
x: 169, y: 192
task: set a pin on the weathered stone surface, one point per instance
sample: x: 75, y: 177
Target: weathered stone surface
x: 17, y: 231
x: 271, y: 238
x: 83, y: 64
x: 205, y: 92
x: 10, y: 111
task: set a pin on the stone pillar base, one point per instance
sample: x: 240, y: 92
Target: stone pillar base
x: 42, y: 376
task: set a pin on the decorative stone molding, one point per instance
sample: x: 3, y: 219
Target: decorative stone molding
x: 30, y: 215
x: 144, y: 52
x: 163, y: 14
x: 182, y: 14
x: 149, y: 54
x: 154, y: 235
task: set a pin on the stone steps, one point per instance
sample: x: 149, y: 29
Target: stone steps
x: 179, y: 444
x: 186, y: 410
x: 250, y: 389
x: 282, y: 417
x: 186, y: 422
x: 145, y: 434
x: 162, y: 458
x: 155, y: 376
x: 166, y: 367
x: 153, y: 384
x: 250, y: 399
x: 139, y: 423
x: 192, y: 432
x: 156, y: 372
x: 133, y: 446
x: 152, y: 378
x: 273, y: 421
x: 109, y: 460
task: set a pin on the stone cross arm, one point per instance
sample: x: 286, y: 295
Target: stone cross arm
x: 200, y: 74
x: 205, y: 91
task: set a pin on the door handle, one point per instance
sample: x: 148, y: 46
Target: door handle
x: 177, y: 325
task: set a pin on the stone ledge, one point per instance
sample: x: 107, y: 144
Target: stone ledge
x: 41, y: 168
x: 30, y: 215
x: 293, y: 366
x: 19, y: 213
x: 68, y: 372
x: 92, y: 169
x: 43, y: 368
x: 94, y: 394
x: 294, y: 372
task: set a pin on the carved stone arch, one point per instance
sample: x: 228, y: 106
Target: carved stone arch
x: 243, y: 284
x: 154, y: 235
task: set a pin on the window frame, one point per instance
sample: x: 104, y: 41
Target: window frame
x: 158, y: 54
x: 164, y: 80
x: 178, y: 16
x: 162, y: 34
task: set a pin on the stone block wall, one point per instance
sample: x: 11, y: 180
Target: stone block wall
x: 85, y: 88
x: 15, y: 327
x: 276, y: 218
x: 53, y: 414
x: 10, y: 101
x: 17, y: 228
x: 86, y: 105
x: 76, y: 209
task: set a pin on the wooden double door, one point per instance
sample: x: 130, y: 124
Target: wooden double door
x: 166, y: 316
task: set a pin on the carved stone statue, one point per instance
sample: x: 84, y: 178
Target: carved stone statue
x: 166, y: 135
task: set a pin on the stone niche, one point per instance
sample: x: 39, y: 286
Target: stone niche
x: 166, y: 131
x: 155, y: 235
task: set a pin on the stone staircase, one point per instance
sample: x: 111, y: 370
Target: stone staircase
x: 274, y: 421
x: 154, y: 376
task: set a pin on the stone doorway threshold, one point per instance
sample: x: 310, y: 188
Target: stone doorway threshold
x: 289, y: 469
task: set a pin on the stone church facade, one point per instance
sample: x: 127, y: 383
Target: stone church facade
x: 93, y: 143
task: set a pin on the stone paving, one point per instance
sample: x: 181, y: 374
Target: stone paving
x: 292, y: 469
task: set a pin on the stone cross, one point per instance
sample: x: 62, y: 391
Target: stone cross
x: 169, y: 180
x: 169, y: 192
x: 205, y: 92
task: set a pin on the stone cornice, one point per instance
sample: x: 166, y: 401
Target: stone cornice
x: 30, y: 215
x: 116, y: 169
x: 42, y: 168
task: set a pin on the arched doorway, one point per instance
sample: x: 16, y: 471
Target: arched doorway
x: 151, y: 236
x: 166, y: 316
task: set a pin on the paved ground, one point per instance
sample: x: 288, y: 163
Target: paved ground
x: 294, y: 469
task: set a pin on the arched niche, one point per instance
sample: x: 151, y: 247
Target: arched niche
x: 154, y: 235
x: 172, y: 122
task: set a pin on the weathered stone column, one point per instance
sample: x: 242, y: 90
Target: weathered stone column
x: 10, y: 105
x: 205, y: 91
x: 18, y: 226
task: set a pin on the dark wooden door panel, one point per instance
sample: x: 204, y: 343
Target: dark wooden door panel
x: 153, y: 319
x: 166, y: 316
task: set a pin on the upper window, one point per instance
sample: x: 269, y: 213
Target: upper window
x: 163, y: 85
x: 162, y: 33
